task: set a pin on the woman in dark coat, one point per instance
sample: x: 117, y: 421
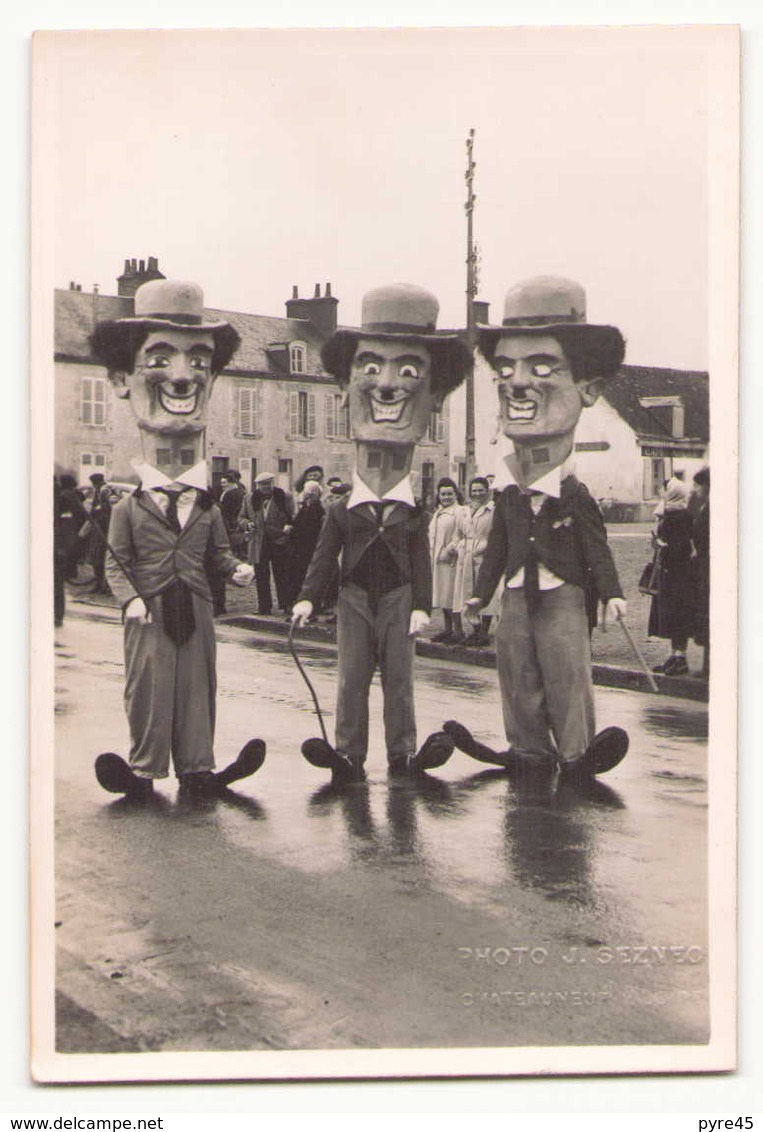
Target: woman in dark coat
x: 303, y: 538
x: 701, y: 563
x: 673, y: 609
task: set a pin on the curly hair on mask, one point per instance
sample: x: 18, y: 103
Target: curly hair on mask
x: 116, y: 343
x: 451, y: 359
x: 592, y: 351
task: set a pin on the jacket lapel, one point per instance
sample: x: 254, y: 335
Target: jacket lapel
x: 146, y: 503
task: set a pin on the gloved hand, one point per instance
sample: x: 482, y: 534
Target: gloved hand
x: 617, y: 608
x: 243, y: 574
x: 137, y: 611
x: 302, y: 612
x: 472, y: 610
x: 419, y: 621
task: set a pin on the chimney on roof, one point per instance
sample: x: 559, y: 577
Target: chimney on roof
x: 136, y: 273
x: 481, y: 312
x: 321, y: 310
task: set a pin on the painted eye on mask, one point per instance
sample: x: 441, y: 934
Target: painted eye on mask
x: 198, y: 361
x: 371, y: 369
x: 157, y: 361
x: 542, y: 369
x: 506, y: 371
x: 409, y: 370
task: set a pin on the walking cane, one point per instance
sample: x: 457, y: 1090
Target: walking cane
x: 306, y: 678
x: 639, y: 656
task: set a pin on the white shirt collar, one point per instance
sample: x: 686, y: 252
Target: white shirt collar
x: 151, y: 478
x: 548, y: 484
x: 402, y: 492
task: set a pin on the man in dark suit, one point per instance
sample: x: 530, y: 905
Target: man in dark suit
x: 548, y: 538
x: 394, y: 372
x: 165, y: 360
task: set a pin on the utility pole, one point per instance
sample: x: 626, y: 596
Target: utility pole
x: 472, y: 284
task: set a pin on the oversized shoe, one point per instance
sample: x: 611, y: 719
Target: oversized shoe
x: 320, y: 753
x: 115, y: 776
x: 250, y: 759
x: 433, y: 752
x: 517, y: 763
x: 211, y: 784
x: 605, y: 751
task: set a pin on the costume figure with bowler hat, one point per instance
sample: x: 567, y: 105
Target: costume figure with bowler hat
x: 165, y: 359
x: 547, y: 537
x: 393, y: 372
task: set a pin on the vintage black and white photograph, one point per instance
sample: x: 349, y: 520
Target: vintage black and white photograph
x: 384, y: 668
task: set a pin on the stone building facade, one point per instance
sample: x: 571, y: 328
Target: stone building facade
x: 273, y: 409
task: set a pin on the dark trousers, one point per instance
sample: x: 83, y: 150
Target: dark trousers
x: 59, y: 590
x: 275, y: 556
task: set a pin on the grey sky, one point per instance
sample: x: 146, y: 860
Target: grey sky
x: 254, y: 160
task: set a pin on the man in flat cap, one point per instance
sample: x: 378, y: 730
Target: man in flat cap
x: 393, y: 373
x: 165, y: 360
x: 548, y: 537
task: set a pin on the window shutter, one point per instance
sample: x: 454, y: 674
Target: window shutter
x: 99, y: 401
x: 440, y: 427
x: 331, y: 430
x: 344, y: 417
x: 311, y: 414
x: 87, y: 405
x: 244, y: 414
x: 255, y: 410
x: 293, y: 414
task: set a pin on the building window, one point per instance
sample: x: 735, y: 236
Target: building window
x: 93, y: 402
x: 187, y: 456
x: 337, y: 417
x: 285, y: 471
x: 302, y: 414
x: 248, y: 412
x: 163, y: 457
x: 247, y: 465
x: 297, y: 357
x: 427, y: 484
x: 436, y: 431
x: 667, y: 412
x: 656, y: 473
x: 90, y: 462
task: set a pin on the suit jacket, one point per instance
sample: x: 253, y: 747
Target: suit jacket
x: 154, y: 556
x: 352, y: 531
x: 568, y: 534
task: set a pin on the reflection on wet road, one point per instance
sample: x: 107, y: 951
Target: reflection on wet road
x: 405, y: 877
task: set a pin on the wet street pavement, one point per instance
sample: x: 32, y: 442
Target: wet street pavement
x: 452, y: 912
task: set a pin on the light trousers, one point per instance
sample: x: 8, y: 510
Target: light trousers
x: 365, y: 638
x: 170, y: 694
x: 544, y: 672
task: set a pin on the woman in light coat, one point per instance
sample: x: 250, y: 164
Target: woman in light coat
x: 443, y: 545
x: 473, y: 529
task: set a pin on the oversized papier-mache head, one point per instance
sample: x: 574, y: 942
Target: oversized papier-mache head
x: 396, y: 369
x: 549, y: 361
x: 165, y: 357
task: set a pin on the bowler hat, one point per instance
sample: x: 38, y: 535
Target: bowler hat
x: 550, y: 304
x: 158, y: 305
x: 542, y: 303
x: 264, y: 477
x: 401, y: 310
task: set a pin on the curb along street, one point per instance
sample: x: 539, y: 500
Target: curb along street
x: 606, y: 675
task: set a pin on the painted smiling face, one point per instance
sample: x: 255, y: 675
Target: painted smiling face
x: 172, y: 380
x: 538, y: 397
x: 390, y: 391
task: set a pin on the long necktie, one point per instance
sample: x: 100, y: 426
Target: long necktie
x: 177, y: 600
x: 171, y: 514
